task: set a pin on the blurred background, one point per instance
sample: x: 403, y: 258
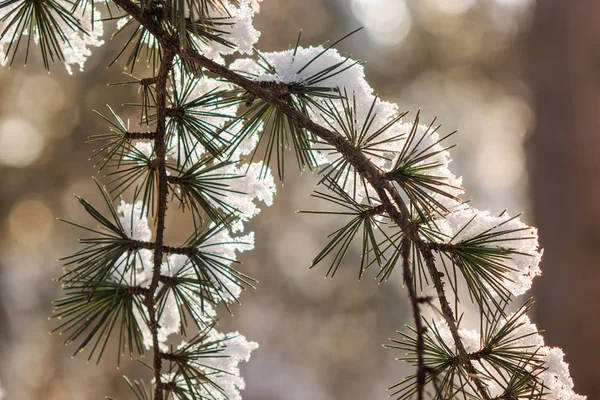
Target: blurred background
x: 520, y: 80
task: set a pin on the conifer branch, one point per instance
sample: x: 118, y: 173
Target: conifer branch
x: 140, y: 135
x: 185, y: 250
x: 414, y: 299
x: 463, y: 356
x: 390, y: 198
x: 391, y: 179
x: 377, y: 210
x: 160, y: 151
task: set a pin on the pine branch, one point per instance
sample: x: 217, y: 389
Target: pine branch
x: 463, y: 355
x: 185, y: 250
x: 140, y: 135
x: 160, y: 151
x: 408, y: 281
x: 390, y: 198
x: 123, y: 283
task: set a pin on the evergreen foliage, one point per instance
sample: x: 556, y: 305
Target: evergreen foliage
x: 206, y: 121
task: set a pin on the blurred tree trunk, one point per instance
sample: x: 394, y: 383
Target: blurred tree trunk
x: 563, y: 54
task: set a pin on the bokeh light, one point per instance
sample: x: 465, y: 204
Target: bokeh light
x: 43, y: 94
x: 453, y: 6
x: 20, y: 143
x: 517, y: 5
x: 387, y: 23
x: 30, y: 222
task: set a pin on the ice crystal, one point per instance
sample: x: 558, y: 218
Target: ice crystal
x: 305, y: 66
x: 135, y: 221
x: 238, y: 30
x: 224, y: 370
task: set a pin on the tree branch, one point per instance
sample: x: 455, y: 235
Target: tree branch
x: 160, y: 152
x: 140, y: 135
x: 390, y: 198
x: 463, y: 356
x: 185, y: 250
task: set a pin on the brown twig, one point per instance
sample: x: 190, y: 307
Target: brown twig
x: 140, y: 135
x: 160, y: 152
